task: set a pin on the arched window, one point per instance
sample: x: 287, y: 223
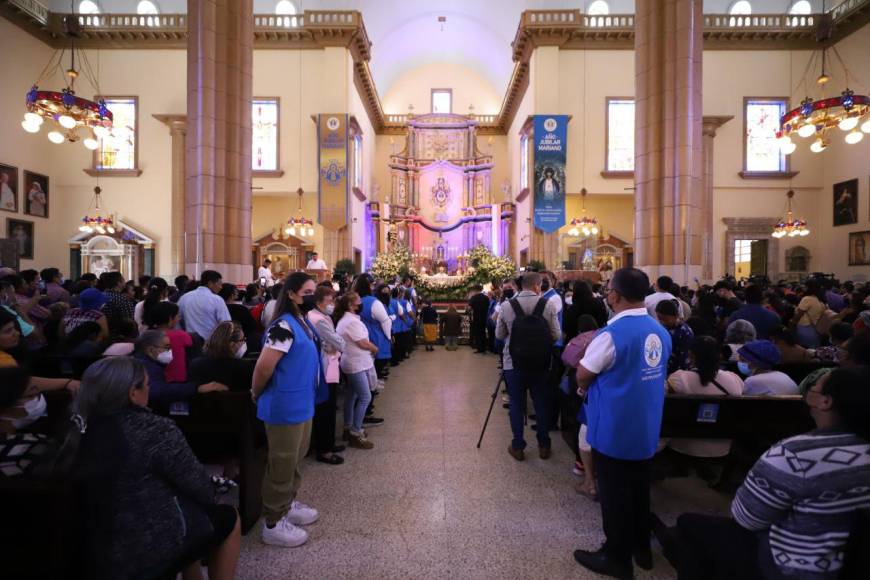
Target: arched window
x: 285, y: 8
x: 147, y: 7
x: 88, y: 7
x: 801, y: 7
x: 598, y: 8
x: 741, y: 7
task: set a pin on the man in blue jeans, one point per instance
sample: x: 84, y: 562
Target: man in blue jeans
x: 520, y: 382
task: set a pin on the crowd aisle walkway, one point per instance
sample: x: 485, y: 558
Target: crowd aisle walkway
x: 425, y: 503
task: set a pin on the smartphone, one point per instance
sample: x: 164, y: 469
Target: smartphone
x: 263, y: 282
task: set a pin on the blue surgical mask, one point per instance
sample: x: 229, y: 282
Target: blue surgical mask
x: 744, y: 369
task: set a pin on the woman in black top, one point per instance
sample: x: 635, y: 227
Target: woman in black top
x: 150, y: 505
x: 583, y: 302
x: 222, y: 359
x: 241, y: 314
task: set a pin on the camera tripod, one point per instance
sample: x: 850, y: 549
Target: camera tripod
x: 501, y: 380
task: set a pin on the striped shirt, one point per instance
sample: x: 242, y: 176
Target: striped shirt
x: 804, y: 493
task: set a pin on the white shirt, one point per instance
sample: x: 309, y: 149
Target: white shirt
x: 354, y: 359
x: 139, y: 314
x: 770, y: 383
x: 601, y: 352
x: 264, y: 272
x: 652, y: 301
x: 268, y: 312
x: 317, y: 264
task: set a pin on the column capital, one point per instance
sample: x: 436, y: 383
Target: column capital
x: 176, y: 123
x: 712, y: 122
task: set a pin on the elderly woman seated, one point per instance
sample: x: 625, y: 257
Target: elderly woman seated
x: 757, y: 359
x: 150, y: 508
x: 737, y: 334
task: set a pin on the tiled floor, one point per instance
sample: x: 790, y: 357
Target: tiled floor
x: 425, y: 503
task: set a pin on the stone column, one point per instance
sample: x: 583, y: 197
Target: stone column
x: 711, y: 124
x: 217, y: 218
x: 669, y: 200
x: 177, y: 130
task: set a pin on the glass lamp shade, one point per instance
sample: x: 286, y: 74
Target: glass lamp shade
x: 848, y: 123
x: 807, y: 130
x: 66, y: 122
x: 789, y: 148
x: 56, y: 137
x: 854, y: 137
x: 101, y: 132
x: 29, y: 127
x: 33, y: 119
x: 818, y: 145
x: 91, y: 143
x: 865, y: 126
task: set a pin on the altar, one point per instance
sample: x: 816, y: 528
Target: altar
x: 440, y: 204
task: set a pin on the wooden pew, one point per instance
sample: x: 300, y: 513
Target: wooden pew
x: 222, y: 425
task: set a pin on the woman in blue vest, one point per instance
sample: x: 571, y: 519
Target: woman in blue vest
x: 374, y: 316
x: 398, y: 315
x: 288, y: 380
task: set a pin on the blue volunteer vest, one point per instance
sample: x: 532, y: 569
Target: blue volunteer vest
x: 549, y: 294
x: 624, y: 405
x: 398, y: 322
x: 288, y: 398
x: 376, y: 333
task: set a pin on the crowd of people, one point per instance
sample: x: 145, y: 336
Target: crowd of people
x: 145, y: 351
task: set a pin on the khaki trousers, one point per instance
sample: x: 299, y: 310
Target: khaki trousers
x: 288, y: 445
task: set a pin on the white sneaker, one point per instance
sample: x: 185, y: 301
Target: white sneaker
x: 284, y: 534
x: 301, y: 514
x: 381, y: 385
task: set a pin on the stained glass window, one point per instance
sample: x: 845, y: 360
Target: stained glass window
x: 264, y: 139
x: 524, y: 161
x: 442, y: 101
x: 358, y: 162
x: 598, y: 8
x: 620, y: 135
x: 762, y: 153
x: 801, y: 7
x: 118, y: 149
x: 741, y: 7
x: 88, y: 7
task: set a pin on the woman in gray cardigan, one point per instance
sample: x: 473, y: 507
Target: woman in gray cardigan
x: 150, y: 506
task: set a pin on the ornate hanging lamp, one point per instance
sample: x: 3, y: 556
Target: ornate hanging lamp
x: 584, y: 225
x: 818, y: 116
x: 304, y: 225
x: 96, y: 222
x: 70, y: 117
x: 790, y: 226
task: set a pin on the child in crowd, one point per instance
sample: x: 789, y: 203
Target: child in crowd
x: 451, y: 327
x: 429, y: 317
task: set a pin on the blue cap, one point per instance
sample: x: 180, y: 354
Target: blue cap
x: 762, y: 353
x: 91, y: 299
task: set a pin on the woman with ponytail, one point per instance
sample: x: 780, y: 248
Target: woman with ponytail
x: 158, y: 291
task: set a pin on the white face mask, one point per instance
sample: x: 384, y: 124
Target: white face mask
x: 35, y: 408
x: 241, y: 350
x: 330, y: 309
x: 165, y: 357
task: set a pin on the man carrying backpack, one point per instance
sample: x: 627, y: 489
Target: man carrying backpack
x: 529, y: 325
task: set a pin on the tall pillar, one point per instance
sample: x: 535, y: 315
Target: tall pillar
x: 177, y: 130
x: 669, y: 197
x: 217, y: 218
x: 711, y: 124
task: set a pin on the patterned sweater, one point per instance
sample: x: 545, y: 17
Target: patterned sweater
x: 803, y: 493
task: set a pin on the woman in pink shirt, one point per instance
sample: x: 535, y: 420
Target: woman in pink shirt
x: 165, y: 316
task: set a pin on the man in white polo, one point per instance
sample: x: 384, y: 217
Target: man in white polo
x: 315, y: 263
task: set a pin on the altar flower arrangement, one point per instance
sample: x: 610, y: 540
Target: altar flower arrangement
x: 486, y: 267
x: 395, y: 262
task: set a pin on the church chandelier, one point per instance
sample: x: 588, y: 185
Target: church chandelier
x: 819, y: 115
x: 97, y: 222
x: 790, y: 226
x: 585, y: 225
x: 304, y: 225
x: 70, y: 117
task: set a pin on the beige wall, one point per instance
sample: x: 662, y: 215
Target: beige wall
x: 415, y: 86
x: 21, y: 59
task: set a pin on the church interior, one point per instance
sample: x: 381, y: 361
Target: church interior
x: 695, y: 140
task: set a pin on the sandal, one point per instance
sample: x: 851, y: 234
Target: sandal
x: 330, y: 460
x: 591, y: 495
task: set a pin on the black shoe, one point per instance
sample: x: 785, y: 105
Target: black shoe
x: 601, y: 563
x: 644, y: 559
x: 506, y: 405
x: 338, y: 448
x: 331, y: 460
x: 373, y: 420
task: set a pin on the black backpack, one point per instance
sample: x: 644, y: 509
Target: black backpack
x: 531, y: 344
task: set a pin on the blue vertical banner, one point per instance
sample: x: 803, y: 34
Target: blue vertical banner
x: 551, y: 139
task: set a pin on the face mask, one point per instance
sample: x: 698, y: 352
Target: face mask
x: 330, y: 309
x: 508, y: 293
x: 569, y: 300
x: 241, y: 350
x: 308, y: 303
x: 744, y: 369
x: 165, y: 357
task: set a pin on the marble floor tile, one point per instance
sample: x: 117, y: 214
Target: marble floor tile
x: 426, y: 503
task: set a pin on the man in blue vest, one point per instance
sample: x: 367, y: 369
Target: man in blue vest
x: 622, y: 376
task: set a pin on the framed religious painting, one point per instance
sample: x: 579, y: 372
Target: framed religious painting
x: 21, y: 232
x: 35, y: 194
x: 859, y: 248
x: 846, y: 202
x: 8, y: 188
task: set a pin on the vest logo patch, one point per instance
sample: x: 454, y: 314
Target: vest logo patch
x: 652, y: 350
